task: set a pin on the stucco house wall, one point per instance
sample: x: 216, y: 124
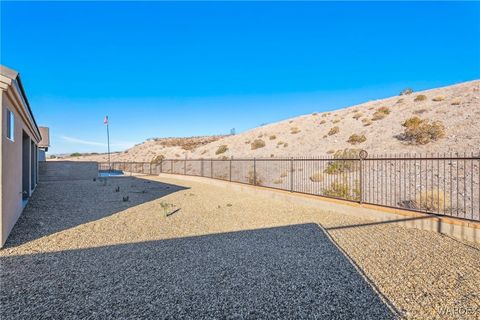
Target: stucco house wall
x: 12, y: 200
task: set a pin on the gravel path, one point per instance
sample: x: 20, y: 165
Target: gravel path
x: 80, y: 251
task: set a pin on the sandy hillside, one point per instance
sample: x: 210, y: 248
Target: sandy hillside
x: 456, y: 107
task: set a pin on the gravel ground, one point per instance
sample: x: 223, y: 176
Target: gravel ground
x: 80, y: 251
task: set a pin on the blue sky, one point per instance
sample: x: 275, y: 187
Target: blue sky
x: 179, y: 69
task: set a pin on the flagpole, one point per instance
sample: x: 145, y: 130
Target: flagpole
x: 108, y: 144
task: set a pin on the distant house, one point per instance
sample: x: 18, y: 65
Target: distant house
x: 44, y: 143
x: 18, y: 152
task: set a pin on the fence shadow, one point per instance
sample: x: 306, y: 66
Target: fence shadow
x: 62, y: 204
x: 285, y: 272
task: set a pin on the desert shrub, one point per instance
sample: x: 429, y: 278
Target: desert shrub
x: 273, y: 137
x: 323, y: 121
x: 277, y: 181
x: 356, y: 138
x: 438, y: 98
x: 331, y: 151
x: 203, y: 152
x: 420, y: 111
x: 257, y: 143
x: 333, y: 131
x: 420, y: 97
x: 420, y: 131
x: 432, y: 200
x: 381, y: 113
x: 294, y: 130
x: 357, y: 115
x: 406, y: 91
x: 316, y: 177
x: 338, y: 165
x: 223, y: 158
x: 314, y: 114
x: 75, y: 154
x: 221, y: 149
x: 252, y: 179
x: 456, y: 102
x: 158, y: 159
x: 400, y: 101
x: 337, y: 190
x: 324, y: 115
x: 342, y: 190
x: 336, y: 120
x: 284, y: 174
x: 366, y: 122
x: 285, y: 145
x: 260, y: 135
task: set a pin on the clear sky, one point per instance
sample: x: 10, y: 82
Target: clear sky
x: 179, y: 69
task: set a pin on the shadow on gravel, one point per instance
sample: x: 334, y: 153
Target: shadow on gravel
x: 63, y: 204
x: 286, y: 272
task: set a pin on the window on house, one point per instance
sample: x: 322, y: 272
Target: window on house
x: 10, y: 125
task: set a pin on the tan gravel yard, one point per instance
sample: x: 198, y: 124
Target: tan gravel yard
x: 249, y: 245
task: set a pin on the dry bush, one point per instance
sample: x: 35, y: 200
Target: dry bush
x: 294, y: 130
x: 400, y: 101
x: 260, y: 135
x: 336, y: 120
x: 438, y: 98
x: 420, y: 131
x: 357, y: 115
x: 420, y: 111
x: 337, y: 190
x: 331, y: 151
x: 340, y: 166
x: 406, y: 91
x: 177, y: 155
x: 316, y: 177
x: 420, y: 97
x: 314, y: 114
x: 333, y: 131
x: 324, y: 115
x: 188, y: 143
x: 366, y: 122
x: 273, y: 137
x: 432, y: 200
x: 356, y: 138
x: 248, y: 141
x: 456, y: 102
x: 257, y: 144
x: 284, y: 174
x: 203, y: 152
x: 255, y: 180
x: 221, y: 149
x: 381, y: 113
x: 342, y: 191
x: 277, y: 181
x: 285, y: 145
x: 280, y: 143
x: 323, y: 121
x: 158, y: 159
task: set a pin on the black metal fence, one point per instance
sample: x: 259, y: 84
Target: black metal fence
x: 438, y: 184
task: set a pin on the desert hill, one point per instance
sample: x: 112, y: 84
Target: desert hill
x: 445, y: 120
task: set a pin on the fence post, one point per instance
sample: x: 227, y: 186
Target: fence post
x: 201, y: 167
x: 161, y: 165
x: 361, y: 181
x: 171, y: 166
x: 254, y: 171
x: 231, y: 168
x: 291, y: 174
x: 185, y: 165
x: 211, y: 168
x: 150, y: 168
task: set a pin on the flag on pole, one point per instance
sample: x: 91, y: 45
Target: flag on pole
x: 105, y: 121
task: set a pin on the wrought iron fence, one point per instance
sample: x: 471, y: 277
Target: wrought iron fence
x: 438, y: 184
